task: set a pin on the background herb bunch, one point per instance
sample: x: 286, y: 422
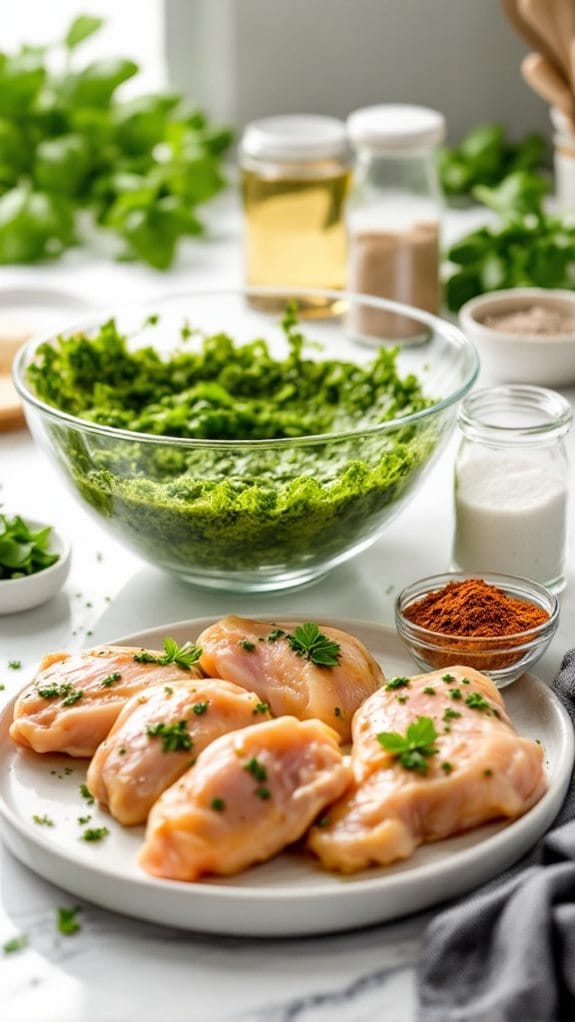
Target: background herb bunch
x: 67, y: 143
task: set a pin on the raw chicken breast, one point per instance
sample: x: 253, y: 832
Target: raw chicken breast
x: 132, y: 767
x: 482, y: 770
x: 250, y: 794
x: 83, y: 695
x: 241, y: 650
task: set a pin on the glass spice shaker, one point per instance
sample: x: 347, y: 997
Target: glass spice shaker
x: 511, y: 483
x: 295, y: 178
x: 393, y: 216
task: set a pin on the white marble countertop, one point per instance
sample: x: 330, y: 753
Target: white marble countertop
x: 116, y: 969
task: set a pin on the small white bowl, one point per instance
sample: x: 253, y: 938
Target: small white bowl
x: 546, y: 360
x: 17, y: 594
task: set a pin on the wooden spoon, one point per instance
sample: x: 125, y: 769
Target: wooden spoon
x: 527, y: 33
x: 546, y: 81
x: 538, y: 15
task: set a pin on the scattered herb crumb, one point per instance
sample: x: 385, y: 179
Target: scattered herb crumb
x: 95, y: 834
x: 261, y: 708
x: 449, y: 714
x: 87, y: 794
x: 263, y: 793
x: 200, y: 708
x: 15, y: 944
x: 14, y: 665
x: 475, y: 701
x: 72, y: 698
x: 83, y: 820
x: 447, y: 767
x: 488, y: 772
x: 255, y: 768
x: 122, y: 750
x: 218, y: 805
x: 110, y: 679
x: 175, y: 737
x: 429, y: 690
x: 43, y: 821
x: 401, y: 699
x: 455, y: 693
x: 67, y: 921
x: 247, y: 645
x: 448, y: 678
x: 337, y: 711
x: 394, y: 683
x: 168, y: 690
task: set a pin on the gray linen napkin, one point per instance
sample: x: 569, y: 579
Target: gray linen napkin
x: 507, y: 953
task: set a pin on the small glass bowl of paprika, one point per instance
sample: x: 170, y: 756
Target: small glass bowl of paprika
x: 498, y: 624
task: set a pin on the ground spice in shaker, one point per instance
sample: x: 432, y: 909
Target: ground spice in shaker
x: 393, y: 217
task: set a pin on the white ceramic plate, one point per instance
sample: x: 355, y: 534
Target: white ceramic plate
x: 291, y: 895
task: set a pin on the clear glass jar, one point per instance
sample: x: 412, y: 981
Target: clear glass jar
x: 394, y: 214
x: 511, y: 483
x: 295, y: 179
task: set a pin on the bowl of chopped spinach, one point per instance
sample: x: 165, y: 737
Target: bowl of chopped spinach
x: 235, y: 447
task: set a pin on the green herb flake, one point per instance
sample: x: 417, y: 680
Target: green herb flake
x: 455, y: 693
x: 450, y: 714
x: 448, y: 678
x: 337, y: 711
x: 218, y: 805
x: 414, y: 748
x: 275, y: 634
x: 429, y: 690
x: 401, y: 699
x: 168, y: 690
x: 14, y: 665
x: 175, y: 737
x: 183, y: 656
x: 247, y: 645
x: 200, y: 708
x: 43, y: 821
x: 398, y: 682
x: 255, y: 769
x: 15, y: 944
x: 263, y: 793
x: 67, y: 921
x: 87, y: 794
x: 83, y: 820
x: 95, y: 834
x: 111, y: 679
x: 476, y: 701
x: 55, y: 691
x: 447, y: 767
x: 488, y: 772
x: 261, y: 708
x: 122, y: 750
x: 72, y: 698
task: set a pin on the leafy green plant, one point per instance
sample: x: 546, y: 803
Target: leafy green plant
x: 486, y: 157
x: 67, y: 143
x: 23, y: 551
x: 527, y: 247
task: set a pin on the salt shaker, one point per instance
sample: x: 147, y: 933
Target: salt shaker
x: 393, y: 215
x: 511, y: 483
x: 295, y: 180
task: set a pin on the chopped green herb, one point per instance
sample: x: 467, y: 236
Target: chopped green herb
x: 95, y: 834
x: 218, y: 805
x: 447, y: 678
x: 72, y: 698
x: 399, y: 682
x: 475, y: 701
x: 447, y: 767
x: 465, y: 681
x: 275, y: 634
x: 122, y: 750
x: 2, y: 687
x: 247, y: 645
x: 43, y: 821
x: 55, y: 691
x: 263, y: 793
x: 455, y: 693
x: 308, y: 642
x: 23, y: 551
x: 175, y: 737
x: 488, y: 772
x: 68, y: 771
x: 15, y: 944
x: 14, y: 665
x: 261, y: 708
x: 83, y: 820
x: 87, y: 794
x: 111, y: 679
x: 67, y: 921
x: 200, y: 708
x: 183, y: 656
x: 337, y: 712
x: 446, y: 729
x: 168, y: 690
x: 449, y: 714
x: 429, y: 690
x: 415, y: 747
x: 255, y: 768
x: 401, y: 699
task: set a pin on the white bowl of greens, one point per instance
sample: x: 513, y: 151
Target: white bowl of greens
x: 34, y: 563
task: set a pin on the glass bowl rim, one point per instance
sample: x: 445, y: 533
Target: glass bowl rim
x: 510, y: 584
x: 100, y: 316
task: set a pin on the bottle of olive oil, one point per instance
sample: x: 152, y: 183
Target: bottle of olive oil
x: 295, y: 179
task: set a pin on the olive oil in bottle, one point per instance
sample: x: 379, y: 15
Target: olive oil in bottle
x: 295, y: 179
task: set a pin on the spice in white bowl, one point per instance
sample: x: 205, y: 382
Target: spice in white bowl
x: 532, y: 319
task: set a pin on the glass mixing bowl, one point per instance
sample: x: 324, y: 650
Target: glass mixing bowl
x: 251, y: 515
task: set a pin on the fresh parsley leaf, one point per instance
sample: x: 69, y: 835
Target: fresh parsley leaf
x: 307, y: 641
x: 261, y: 708
x: 87, y: 794
x: 175, y: 737
x: 399, y: 682
x: 263, y: 793
x: 414, y: 748
x: 183, y: 656
x: 14, y: 665
x: 200, y: 708
x: 247, y: 645
x: 72, y: 697
x: 111, y: 679
x: 95, y: 834
x: 256, y: 769
x: 43, y: 821
x: 476, y: 701
x: 15, y: 944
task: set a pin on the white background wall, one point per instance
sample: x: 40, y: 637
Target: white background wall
x: 248, y: 58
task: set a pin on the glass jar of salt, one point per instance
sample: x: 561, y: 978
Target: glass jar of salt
x: 393, y: 217
x: 511, y: 483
